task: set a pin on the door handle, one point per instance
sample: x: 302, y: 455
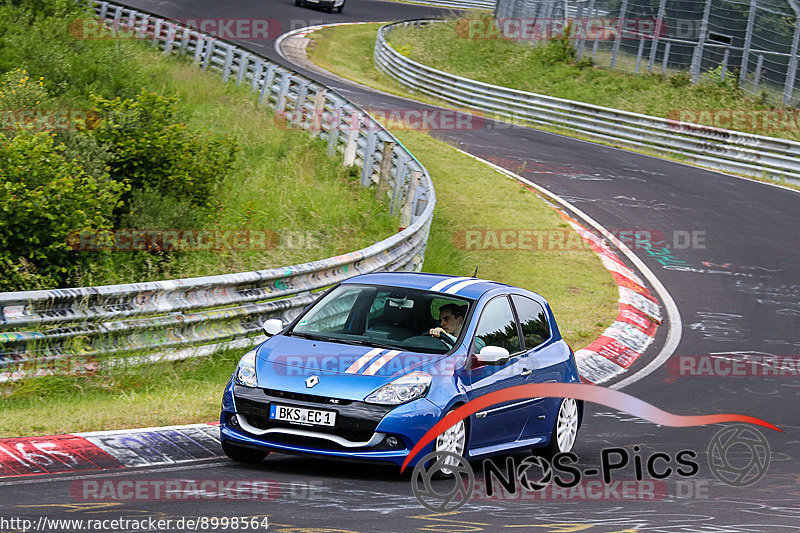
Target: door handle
x: 526, y: 372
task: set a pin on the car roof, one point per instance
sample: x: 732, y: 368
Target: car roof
x: 467, y: 287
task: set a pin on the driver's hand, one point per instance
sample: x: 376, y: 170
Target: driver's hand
x: 436, y: 332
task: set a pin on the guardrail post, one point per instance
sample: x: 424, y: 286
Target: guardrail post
x: 257, y: 68
x: 103, y: 10
x: 399, y: 182
x: 132, y: 21
x: 185, y: 38
x: 319, y: 109
x: 171, y: 28
x: 298, y: 117
x: 198, y: 49
x: 386, y: 168
x: 788, y: 89
x: 369, y: 154
x: 266, y: 88
x: 244, y: 62
x: 352, y: 139
x: 117, y: 17
x: 335, y: 126
x: 757, y: 78
x: 618, y: 37
x: 143, y: 25
x: 211, y: 44
x: 748, y: 39
x: 280, y: 104
x: 226, y: 66
x: 411, y: 196
x: 157, y: 33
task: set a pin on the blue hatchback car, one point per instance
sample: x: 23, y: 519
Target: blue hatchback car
x: 373, y: 364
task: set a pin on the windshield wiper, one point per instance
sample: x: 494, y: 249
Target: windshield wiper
x: 373, y: 344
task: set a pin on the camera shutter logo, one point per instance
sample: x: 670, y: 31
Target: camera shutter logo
x: 739, y: 455
x: 459, y: 484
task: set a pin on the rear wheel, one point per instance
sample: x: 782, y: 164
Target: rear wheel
x: 241, y: 454
x: 339, y: 9
x: 298, y: 2
x: 565, y: 429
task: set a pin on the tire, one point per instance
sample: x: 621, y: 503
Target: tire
x: 565, y: 428
x: 298, y: 2
x: 243, y: 455
x: 453, y: 440
x: 339, y: 9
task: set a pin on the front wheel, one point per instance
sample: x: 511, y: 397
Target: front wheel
x: 565, y: 429
x: 243, y: 455
x: 454, y: 439
x: 298, y: 2
x: 339, y: 9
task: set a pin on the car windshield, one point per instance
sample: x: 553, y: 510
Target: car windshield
x: 385, y: 317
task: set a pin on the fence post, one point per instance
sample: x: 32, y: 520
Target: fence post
x: 788, y: 89
x: 386, y: 168
x: 662, y: 6
x: 408, y: 205
x: 725, y: 57
x: 665, y: 59
x: 757, y: 77
x: 266, y: 89
x: 697, y: 58
x: 639, y: 54
x: 369, y: 155
x: 748, y: 39
x: 618, y: 37
x: 581, y: 40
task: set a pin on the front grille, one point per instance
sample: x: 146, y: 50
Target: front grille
x: 355, y: 421
x: 306, y: 397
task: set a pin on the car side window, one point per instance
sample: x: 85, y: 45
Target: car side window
x: 497, y: 326
x: 533, y: 319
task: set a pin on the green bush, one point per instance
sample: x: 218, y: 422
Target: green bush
x: 44, y: 198
x: 151, y: 150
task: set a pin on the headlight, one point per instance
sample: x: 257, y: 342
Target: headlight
x: 246, y: 371
x: 404, y: 389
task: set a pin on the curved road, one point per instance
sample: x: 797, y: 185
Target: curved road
x: 737, y: 288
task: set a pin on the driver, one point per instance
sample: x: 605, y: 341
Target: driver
x: 451, y: 319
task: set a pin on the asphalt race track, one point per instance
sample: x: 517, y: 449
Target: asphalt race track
x: 737, y: 288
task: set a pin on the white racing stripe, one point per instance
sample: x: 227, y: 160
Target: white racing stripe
x: 454, y: 289
x: 378, y: 364
x: 442, y: 284
x: 363, y: 360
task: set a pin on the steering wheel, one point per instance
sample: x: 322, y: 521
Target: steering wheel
x: 444, y: 340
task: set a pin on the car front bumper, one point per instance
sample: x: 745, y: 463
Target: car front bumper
x: 362, y: 431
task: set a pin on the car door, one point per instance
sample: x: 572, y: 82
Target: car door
x: 535, y: 336
x: 502, y: 423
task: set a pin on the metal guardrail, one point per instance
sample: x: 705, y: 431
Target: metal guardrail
x: 114, y: 319
x: 719, y: 149
x: 488, y: 5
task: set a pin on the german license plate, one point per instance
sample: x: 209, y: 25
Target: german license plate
x: 301, y: 415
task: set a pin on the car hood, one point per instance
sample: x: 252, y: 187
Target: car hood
x: 342, y: 370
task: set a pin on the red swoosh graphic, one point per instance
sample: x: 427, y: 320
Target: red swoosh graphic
x: 590, y: 393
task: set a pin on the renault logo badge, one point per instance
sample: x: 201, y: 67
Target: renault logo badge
x: 311, y: 381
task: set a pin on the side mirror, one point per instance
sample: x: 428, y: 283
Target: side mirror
x: 273, y: 326
x: 493, y: 355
